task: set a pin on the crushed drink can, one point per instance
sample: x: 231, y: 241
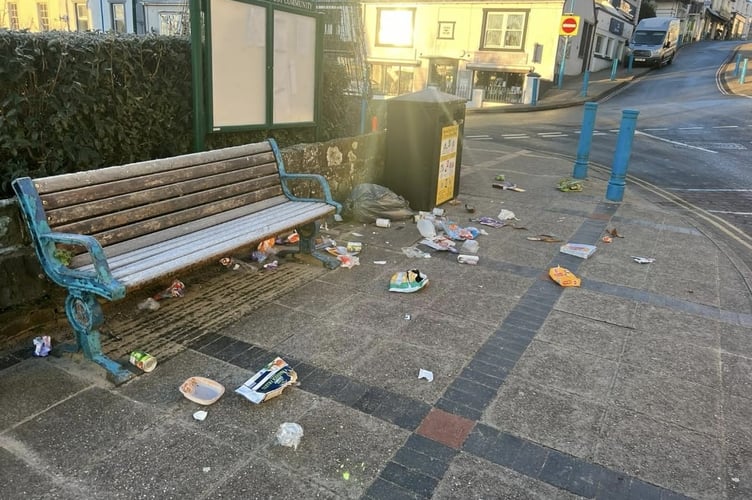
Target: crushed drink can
x: 143, y: 361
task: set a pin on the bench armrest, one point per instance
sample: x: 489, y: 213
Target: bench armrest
x: 284, y: 176
x: 100, y: 281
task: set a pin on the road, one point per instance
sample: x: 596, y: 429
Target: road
x: 693, y: 142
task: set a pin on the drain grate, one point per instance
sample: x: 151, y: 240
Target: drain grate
x: 214, y: 299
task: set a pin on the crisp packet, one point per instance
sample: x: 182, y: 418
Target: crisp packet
x: 269, y: 382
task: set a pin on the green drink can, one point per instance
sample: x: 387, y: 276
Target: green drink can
x: 143, y: 360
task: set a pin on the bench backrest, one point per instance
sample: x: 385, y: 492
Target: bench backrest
x: 117, y: 204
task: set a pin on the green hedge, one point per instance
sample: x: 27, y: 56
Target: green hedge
x: 79, y: 101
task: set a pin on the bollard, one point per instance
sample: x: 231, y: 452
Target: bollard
x: 614, y: 65
x: 615, y: 189
x: 736, y: 64
x: 586, y: 138
x: 631, y: 62
x: 743, y: 73
x: 534, y: 90
x: 585, y: 83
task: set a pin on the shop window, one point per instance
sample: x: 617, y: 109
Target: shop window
x: 394, y: 27
x: 503, y: 30
x: 392, y: 79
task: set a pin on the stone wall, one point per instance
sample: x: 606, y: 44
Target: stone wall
x: 28, y: 298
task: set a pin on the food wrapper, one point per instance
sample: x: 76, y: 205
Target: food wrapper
x: 580, y: 250
x: 269, y: 382
x: 176, y: 289
x: 564, y: 277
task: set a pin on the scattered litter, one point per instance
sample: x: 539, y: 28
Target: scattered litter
x: 408, y: 281
x: 200, y: 415
x: 580, y: 250
x: 357, y: 235
x: 470, y: 208
x: 489, y: 221
x: 456, y: 232
x: 470, y: 246
x: 289, y: 434
x: 468, y: 259
x: 438, y: 212
x: 379, y: 262
x: 264, y: 250
x: 507, y: 215
x: 206, y: 469
x: 42, y: 346
x: 290, y: 239
x: 202, y: 390
x: 564, y: 277
x: 569, y: 185
x: 426, y: 228
x: 383, y: 222
x: 354, y: 247
x: 441, y: 243
x: 735, y: 479
x: 407, y: 317
x: 143, y: 360
x: 499, y: 177
x: 614, y: 233
x: 268, y: 382
x: 271, y: 266
x: 415, y: 253
x: 643, y: 260
x: 148, y: 304
x: 454, y: 201
x: 546, y: 238
x: 338, y: 218
x: 607, y: 239
x: 235, y: 264
x: 176, y: 289
x: 348, y: 261
x: 425, y: 374
x: 507, y: 186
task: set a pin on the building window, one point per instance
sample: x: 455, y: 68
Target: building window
x: 117, y: 12
x: 392, y: 79
x: 13, y: 15
x: 503, y: 30
x: 82, y: 17
x: 44, y: 17
x: 604, y: 47
x: 171, y: 23
x: 600, y: 44
x: 394, y: 27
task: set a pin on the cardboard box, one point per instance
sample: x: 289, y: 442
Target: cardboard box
x: 269, y: 382
x: 580, y: 250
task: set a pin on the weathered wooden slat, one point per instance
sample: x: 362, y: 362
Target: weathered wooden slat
x: 215, y: 221
x: 234, y: 182
x: 263, y: 163
x: 156, y: 216
x: 110, y: 174
x: 232, y: 229
x: 148, y: 270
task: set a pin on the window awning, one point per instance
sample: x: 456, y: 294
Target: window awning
x: 716, y: 15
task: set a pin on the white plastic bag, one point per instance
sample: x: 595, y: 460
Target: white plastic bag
x: 289, y: 434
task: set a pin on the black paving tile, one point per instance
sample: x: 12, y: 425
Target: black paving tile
x: 350, y: 393
x: 482, y: 378
x: 202, y: 341
x: 641, y: 490
x: 475, y: 401
x: 232, y: 350
x: 458, y: 409
x: 471, y: 387
x: 481, y: 441
x: 402, y: 411
x: 530, y: 459
x: 558, y: 469
x: 215, y: 347
x: 613, y: 485
x: 495, y: 370
x: 371, y: 400
x: 430, y: 447
x: 318, y: 382
x: 420, y: 462
x: 410, y: 480
x: 384, y: 490
x: 506, y: 449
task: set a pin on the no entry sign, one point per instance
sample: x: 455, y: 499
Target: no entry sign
x: 569, y: 25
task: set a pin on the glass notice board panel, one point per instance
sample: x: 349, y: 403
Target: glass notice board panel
x: 294, y: 67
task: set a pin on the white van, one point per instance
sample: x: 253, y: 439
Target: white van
x: 655, y: 40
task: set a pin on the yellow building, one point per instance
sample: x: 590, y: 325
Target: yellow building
x: 45, y: 15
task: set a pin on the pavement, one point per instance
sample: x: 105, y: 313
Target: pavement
x: 636, y: 384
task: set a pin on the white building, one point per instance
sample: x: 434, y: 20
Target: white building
x: 163, y: 17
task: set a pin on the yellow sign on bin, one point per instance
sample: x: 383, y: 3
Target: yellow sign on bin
x: 447, y: 163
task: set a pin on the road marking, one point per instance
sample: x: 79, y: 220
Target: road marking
x: 637, y: 132
x: 726, y: 126
x: 729, y: 212
x: 712, y: 190
x: 552, y: 134
x: 479, y: 137
x: 515, y: 136
x: 614, y: 130
x: 596, y: 132
x: 690, y: 128
x: 656, y: 129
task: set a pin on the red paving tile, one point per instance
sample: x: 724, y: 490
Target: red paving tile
x: 445, y: 428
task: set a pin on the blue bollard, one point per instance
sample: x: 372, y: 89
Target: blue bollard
x: 585, y: 83
x: 615, y: 189
x: 736, y: 64
x: 534, y: 90
x: 614, y: 65
x: 586, y: 138
x: 631, y: 63
x: 743, y: 73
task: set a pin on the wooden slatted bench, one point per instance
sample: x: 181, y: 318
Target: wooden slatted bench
x: 130, y: 225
